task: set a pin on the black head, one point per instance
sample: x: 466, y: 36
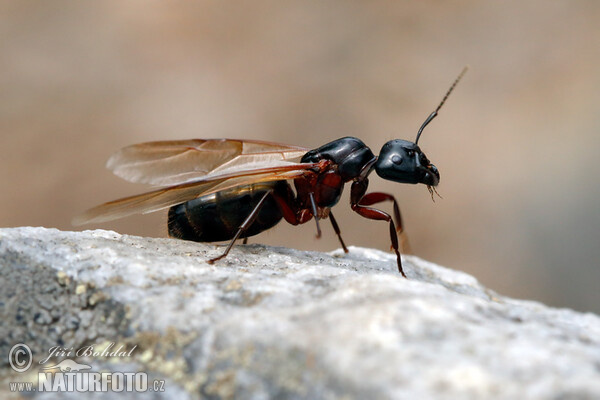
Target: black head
x: 404, y: 162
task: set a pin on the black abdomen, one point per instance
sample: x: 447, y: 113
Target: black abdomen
x: 217, y: 217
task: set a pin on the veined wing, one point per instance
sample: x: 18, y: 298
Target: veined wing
x: 170, y: 196
x: 175, y: 162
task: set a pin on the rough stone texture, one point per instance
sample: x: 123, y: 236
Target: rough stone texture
x: 280, y: 323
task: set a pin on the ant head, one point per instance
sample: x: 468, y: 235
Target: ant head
x: 404, y: 162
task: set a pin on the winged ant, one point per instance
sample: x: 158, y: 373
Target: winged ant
x: 227, y: 189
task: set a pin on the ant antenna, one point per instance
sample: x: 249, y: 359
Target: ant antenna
x: 435, y: 113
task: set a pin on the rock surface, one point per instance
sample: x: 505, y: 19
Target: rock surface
x: 280, y: 323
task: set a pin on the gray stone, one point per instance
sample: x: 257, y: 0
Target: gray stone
x: 270, y: 322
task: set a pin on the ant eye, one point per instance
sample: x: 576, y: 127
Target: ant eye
x: 396, y: 159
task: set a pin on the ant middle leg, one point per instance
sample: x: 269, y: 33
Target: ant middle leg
x: 313, y: 206
x: 336, y: 228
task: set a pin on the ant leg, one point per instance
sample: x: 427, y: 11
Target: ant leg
x: 336, y: 228
x: 245, y: 225
x: 378, y: 197
x: 373, y: 213
x: 245, y: 241
x: 313, y: 205
x: 357, y: 192
x: 292, y: 215
x: 296, y: 217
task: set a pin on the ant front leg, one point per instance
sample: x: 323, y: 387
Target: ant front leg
x: 379, y: 197
x: 357, y: 193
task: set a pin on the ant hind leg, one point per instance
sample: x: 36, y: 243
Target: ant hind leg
x: 245, y: 225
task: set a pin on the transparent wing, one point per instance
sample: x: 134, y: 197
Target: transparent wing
x: 170, y: 196
x: 176, y: 162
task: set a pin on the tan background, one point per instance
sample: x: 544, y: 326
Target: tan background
x: 516, y: 143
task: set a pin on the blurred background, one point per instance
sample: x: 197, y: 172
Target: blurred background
x: 516, y: 143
